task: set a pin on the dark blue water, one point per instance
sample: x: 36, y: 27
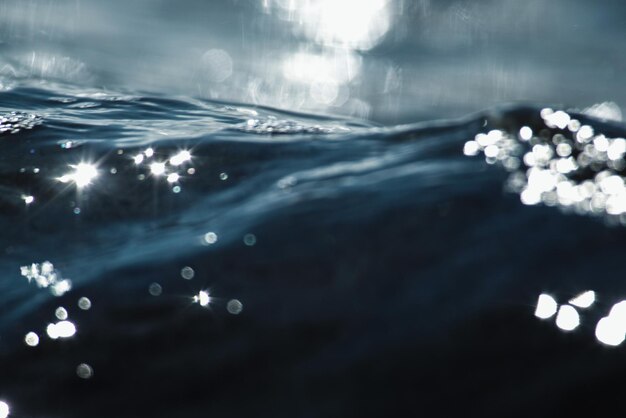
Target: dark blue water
x: 349, y: 269
x: 289, y: 208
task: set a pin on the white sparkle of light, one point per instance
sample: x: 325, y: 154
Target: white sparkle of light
x: 471, y: 148
x: 157, y: 168
x: 573, y: 125
x: 618, y: 311
x: 210, y: 238
x: 51, y: 330
x: 46, y: 276
x: 46, y: 267
x: 180, y: 158
x: 567, y: 193
x: 616, y: 204
x: 565, y: 165
x: 491, y: 151
x: 62, y: 329
x: 529, y: 159
x: 4, y: 409
x: 584, y: 300
x: 28, y: 199
x: 173, y: 177
x: 545, y: 112
x: 31, y: 339
x: 202, y: 298
x: 546, y: 306
x: 542, y: 180
x: 543, y: 153
x: 525, y: 133
x: 138, y: 159
x: 584, y: 134
x: 610, y: 331
x: 558, y: 119
x: 612, y: 184
x: 82, y: 176
x: 530, y: 196
x: 567, y: 318
x: 149, y: 152
x: 601, y: 143
x: 564, y: 149
x: 61, y: 287
x: 491, y: 138
x: 617, y: 149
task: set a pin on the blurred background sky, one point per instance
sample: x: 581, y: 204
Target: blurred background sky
x: 391, y: 61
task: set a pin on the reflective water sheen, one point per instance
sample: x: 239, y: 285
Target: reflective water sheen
x: 286, y: 238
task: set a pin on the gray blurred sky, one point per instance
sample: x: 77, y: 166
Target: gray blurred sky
x: 391, y: 61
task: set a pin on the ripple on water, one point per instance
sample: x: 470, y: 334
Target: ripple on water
x: 14, y: 122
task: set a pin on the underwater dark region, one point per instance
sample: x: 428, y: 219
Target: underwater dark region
x: 312, y: 208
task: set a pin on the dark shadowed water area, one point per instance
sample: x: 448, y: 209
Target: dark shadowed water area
x: 309, y: 209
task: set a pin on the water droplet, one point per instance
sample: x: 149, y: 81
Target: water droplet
x: 84, y: 371
x: 31, y: 339
x: 234, y: 307
x: 84, y: 303
x: 210, y: 238
x: 61, y: 313
x: 155, y: 289
x: 249, y: 239
x: 187, y: 273
x: 173, y: 177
